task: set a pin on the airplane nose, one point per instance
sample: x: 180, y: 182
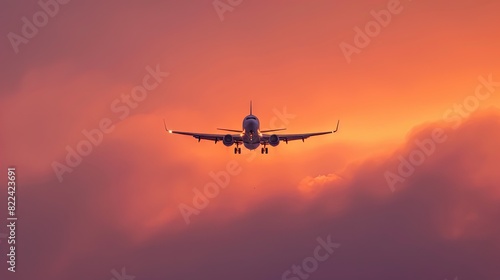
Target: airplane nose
x: 251, y: 125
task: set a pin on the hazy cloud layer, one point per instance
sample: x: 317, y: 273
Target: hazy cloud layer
x: 440, y: 222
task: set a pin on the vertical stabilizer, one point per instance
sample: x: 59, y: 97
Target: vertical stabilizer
x: 250, y: 107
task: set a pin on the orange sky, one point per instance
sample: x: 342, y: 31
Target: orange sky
x: 285, y: 56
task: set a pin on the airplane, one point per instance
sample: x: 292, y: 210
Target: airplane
x: 251, y: 136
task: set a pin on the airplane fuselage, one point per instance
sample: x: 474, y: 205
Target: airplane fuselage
x: 251, y: 132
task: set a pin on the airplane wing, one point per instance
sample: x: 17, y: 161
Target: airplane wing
x: 206, y: 136
x: 299, y: 136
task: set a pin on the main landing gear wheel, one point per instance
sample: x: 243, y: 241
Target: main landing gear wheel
x: 237, y: 150
x: 264, y: 151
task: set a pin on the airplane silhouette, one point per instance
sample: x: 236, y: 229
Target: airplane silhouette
x: 251, y: 136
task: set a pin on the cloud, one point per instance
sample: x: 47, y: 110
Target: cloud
x: 310, y: 183
x: 440, y: 221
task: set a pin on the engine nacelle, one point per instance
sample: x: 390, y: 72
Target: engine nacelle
x: 274, y: 140
x: 228, y: 140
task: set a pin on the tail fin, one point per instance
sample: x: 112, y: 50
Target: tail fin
x: 250, y: 107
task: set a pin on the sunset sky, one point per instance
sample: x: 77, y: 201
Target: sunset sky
x: 408, y: 188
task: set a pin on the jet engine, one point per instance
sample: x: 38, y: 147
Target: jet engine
x: 274, y: 140
x: 228, y: 140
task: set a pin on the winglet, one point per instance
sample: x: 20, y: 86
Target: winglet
x: 337, y: 126
x: 250, y: 107
x: 164, y: 123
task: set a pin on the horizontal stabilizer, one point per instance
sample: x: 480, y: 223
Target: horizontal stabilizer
x: 272, y: 130
x: 230, y: 130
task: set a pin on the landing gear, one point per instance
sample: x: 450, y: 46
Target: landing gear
x: 264, y: 150
x: 237, y: 150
